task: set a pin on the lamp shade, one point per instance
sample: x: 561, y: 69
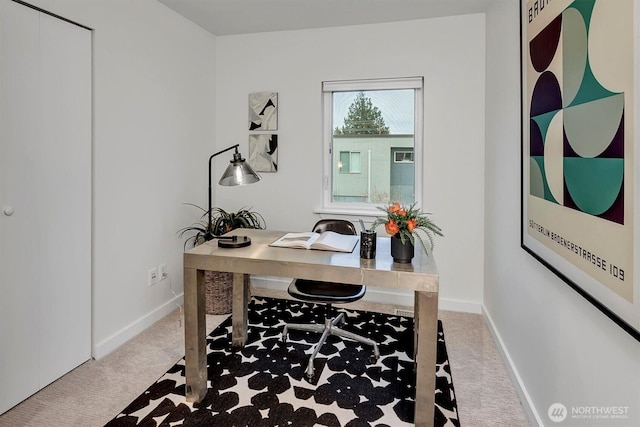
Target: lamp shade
x: 238, y: 172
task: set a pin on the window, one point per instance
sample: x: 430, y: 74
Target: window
x: 349, y: 162
x: 372, y: 144
x: 403, y: 157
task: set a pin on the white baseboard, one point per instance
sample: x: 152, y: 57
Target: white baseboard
x: 527, y: 403
x: 460, y: 306
x: 378, y: 295
x: 106, y: 346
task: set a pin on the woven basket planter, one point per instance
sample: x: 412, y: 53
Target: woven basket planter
x: 218, y: 289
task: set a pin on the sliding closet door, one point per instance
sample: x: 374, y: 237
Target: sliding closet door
x: 45, y: 197
x: 64, y: 196
x: 19, y: 297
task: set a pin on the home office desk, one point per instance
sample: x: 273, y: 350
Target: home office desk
x: 259, y: 258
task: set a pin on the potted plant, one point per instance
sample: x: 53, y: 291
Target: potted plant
x: 221, y: 222
x: 219, y: 285
x: 404, y: 225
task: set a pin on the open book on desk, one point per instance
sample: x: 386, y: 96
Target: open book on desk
x: 327, y: 241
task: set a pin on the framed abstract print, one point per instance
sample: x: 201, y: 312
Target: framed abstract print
x: 263, y: 152
x: 580, y: 162
x: 263, y: 111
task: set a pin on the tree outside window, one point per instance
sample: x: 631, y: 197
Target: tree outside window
x: 363, y: 118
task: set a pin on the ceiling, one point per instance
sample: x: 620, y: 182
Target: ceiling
x: 226, y: 17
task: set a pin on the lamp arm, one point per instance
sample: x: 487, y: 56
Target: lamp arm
x: 209, y: 235
x: 223, y: 151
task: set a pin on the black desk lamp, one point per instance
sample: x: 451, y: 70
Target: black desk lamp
x: 238, y: 173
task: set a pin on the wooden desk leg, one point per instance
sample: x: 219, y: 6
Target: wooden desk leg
x: 426, y: 335
x: 239, y: 315
x: 195, y: 345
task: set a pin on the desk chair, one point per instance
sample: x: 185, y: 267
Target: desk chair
x: 328, y: 293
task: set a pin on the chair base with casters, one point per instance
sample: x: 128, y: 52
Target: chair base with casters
x: 327, y: 293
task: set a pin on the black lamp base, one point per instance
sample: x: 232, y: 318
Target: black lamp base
x: 234, y: 242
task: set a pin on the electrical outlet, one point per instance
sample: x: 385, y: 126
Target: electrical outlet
x: 153, y: 276
x: 162, y: 271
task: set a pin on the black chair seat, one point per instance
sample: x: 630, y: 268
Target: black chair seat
x: 325, y: 292
x: 328, y: 293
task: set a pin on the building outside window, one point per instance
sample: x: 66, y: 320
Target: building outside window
x: 372, y: 143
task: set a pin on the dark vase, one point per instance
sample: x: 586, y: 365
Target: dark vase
x: 401, y: 252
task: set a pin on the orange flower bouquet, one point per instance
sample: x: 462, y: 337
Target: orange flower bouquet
x: 405, y: 223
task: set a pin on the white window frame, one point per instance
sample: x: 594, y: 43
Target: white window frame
x: 328, y: 88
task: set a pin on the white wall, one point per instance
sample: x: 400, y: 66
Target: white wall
x: 153, y: 96
x: 561, y: 348
x: 448, y: 52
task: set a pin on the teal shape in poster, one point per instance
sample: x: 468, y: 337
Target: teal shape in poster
x: 543, y: 120
x: 538, y: 185
x: 594, y: 184
x: 576, y: 21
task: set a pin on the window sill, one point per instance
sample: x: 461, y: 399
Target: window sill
x: 354, y: 213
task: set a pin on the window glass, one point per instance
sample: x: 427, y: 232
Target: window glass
x: 403, y: 157
x: 374, y: 129
x: 355, y: 162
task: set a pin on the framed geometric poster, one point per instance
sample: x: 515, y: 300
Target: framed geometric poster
x: 580, y: 152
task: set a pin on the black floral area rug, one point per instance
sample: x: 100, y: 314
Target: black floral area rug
x: 264, y: 384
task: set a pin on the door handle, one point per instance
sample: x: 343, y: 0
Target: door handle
x: 8, y: 211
